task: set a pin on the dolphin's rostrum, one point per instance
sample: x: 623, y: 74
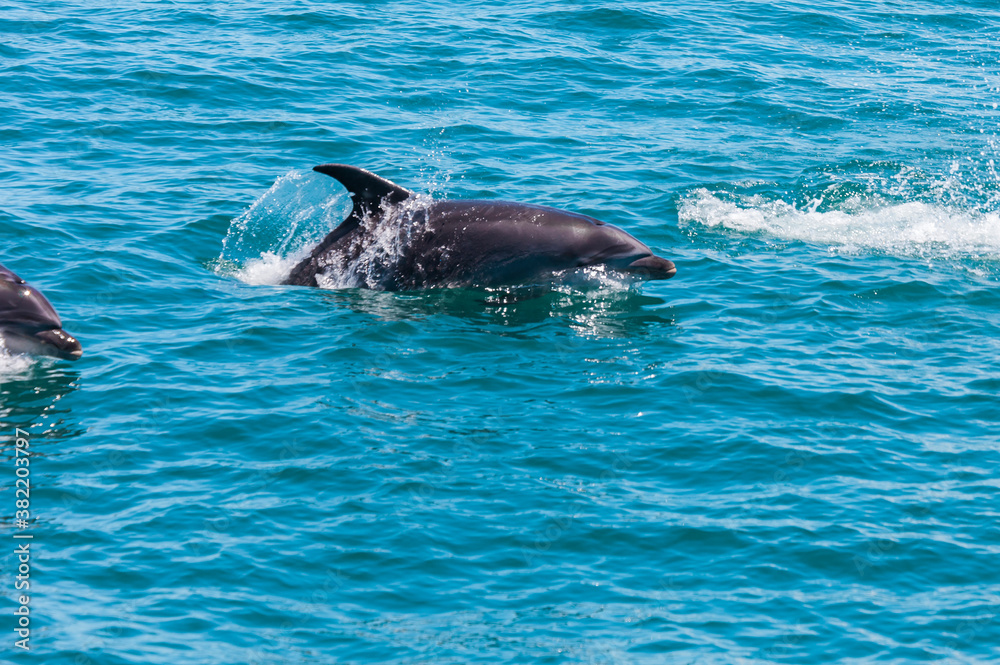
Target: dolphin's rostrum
x: 29, y: 323
x: 396, y: 240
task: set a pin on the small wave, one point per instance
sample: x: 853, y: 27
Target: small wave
x: 858, y: 224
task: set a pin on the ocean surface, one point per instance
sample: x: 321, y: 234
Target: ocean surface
x: 788, y: 453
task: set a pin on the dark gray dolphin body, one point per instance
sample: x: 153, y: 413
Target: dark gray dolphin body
x: 28, y: 322
x: 395, y: 240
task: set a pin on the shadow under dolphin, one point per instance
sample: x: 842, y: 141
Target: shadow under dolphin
x: 29, y: 323
x: 395, y: 240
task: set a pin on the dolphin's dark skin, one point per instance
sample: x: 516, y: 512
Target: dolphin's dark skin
x: 29, y: 324
x: 395, y: 240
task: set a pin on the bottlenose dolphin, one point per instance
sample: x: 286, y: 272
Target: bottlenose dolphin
x: 396, y: 240
x: 28, y: 322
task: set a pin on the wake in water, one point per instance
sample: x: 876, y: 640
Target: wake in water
x: 876, y: 208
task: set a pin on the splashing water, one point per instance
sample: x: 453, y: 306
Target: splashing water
x: 265, y: 242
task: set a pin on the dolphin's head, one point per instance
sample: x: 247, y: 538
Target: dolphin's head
x: 617, y: 249
x: 28, y: 322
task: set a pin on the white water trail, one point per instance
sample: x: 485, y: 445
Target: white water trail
x: 858, y: 225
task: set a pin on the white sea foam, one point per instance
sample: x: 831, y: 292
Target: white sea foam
x: 857, y: 225
x: 270, y: 268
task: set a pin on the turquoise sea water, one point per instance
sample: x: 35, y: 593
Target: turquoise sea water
x: 787, y: 453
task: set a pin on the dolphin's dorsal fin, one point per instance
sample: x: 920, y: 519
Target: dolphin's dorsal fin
x: 369, y: 191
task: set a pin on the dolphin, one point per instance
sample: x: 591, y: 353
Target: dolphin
x: 395, y: 240
x: 29, y: 323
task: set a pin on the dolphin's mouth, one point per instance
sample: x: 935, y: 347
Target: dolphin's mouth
x: 652, y: 267
x: 51, y: 342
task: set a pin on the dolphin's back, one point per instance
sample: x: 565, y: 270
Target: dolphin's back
x: 496, y: 242
x: 395, y: 240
